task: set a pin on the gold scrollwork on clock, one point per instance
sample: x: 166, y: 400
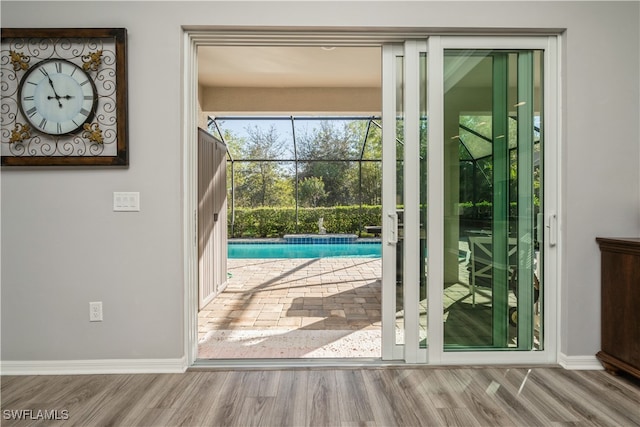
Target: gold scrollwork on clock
x: 19, y: 60
x: 93, y: 133
x: 92, y: 61
x: 20, y: 133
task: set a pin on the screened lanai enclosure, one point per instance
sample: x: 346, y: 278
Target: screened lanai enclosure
x: 285, y: 174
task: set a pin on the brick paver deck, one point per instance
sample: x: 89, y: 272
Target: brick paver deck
x: 326, y: 294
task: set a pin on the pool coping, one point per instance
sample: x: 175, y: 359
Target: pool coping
x: 276, y: 240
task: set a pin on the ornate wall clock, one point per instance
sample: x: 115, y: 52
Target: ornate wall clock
x: 64, y: 97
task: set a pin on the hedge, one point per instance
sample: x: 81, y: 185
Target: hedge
x: 276, y: 222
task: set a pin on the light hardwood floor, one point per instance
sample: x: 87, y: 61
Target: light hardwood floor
x: 381, y: 396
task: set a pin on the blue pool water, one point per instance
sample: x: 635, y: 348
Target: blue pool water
x: 283, y: 250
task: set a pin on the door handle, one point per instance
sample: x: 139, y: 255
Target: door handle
x: 540, y: 228
x: 393, y: 230
x: 552, y: 226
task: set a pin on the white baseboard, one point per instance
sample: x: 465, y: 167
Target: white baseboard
x: 82, y: 367
x: 172, y: 366
x: 579, y: 363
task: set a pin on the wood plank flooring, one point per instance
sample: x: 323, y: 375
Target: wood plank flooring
x: 376, y: 396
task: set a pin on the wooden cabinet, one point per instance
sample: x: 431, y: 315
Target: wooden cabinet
x: 620, y: 312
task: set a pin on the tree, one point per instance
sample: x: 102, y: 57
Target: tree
x: 368, y: 180
x: 330, y: 142
x: 311, y: 191
x: 329, y: 151
x: 263, y: 182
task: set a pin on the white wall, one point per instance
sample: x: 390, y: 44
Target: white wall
x: 62, y: 246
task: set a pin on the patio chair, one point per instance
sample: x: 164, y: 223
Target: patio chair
x: 480, y: 270
x: 481, y: 263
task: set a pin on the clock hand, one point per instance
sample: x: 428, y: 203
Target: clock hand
x: 54, y: 92
x: 61, y: 97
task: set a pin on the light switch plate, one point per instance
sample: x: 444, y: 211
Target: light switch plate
x: 128, y: 201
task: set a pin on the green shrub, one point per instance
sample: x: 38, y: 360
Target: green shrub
x: 276, y: 222
x: 484, y: 209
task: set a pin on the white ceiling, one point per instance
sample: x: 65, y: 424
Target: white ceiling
x: 289, y: 66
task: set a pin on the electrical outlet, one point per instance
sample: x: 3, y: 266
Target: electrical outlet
x: 95, y: 311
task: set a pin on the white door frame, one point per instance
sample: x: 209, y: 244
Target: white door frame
x: 193, y: 38
x: 551, y: 193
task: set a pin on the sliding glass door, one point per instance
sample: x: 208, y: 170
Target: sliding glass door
x: 404, y: 245
x: 464, y: 208
x: 492, y: 197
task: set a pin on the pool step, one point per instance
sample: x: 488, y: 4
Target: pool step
x: 321, y: 239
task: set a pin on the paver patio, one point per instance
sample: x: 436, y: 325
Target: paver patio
x: 326, y: 307
x: 321, y: 308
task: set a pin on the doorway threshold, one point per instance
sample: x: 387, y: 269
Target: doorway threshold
x: 302, y: 363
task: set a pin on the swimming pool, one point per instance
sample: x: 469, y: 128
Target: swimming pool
x: 304, y: 250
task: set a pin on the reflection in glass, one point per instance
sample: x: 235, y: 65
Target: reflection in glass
x: 400, y: 319
x: 423, y: 200
x: 493, y: 193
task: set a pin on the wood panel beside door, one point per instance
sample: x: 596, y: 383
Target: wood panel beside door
x: 212, y: 217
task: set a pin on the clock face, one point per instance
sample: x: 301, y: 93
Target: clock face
x: 57, y: 97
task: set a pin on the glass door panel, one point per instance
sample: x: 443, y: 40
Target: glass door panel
x: 492, y: 198
x: 393, y: 319
x: 462, y: 217
x: 399, y: 201
x: 423, y: 198
x: 404, y: 201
